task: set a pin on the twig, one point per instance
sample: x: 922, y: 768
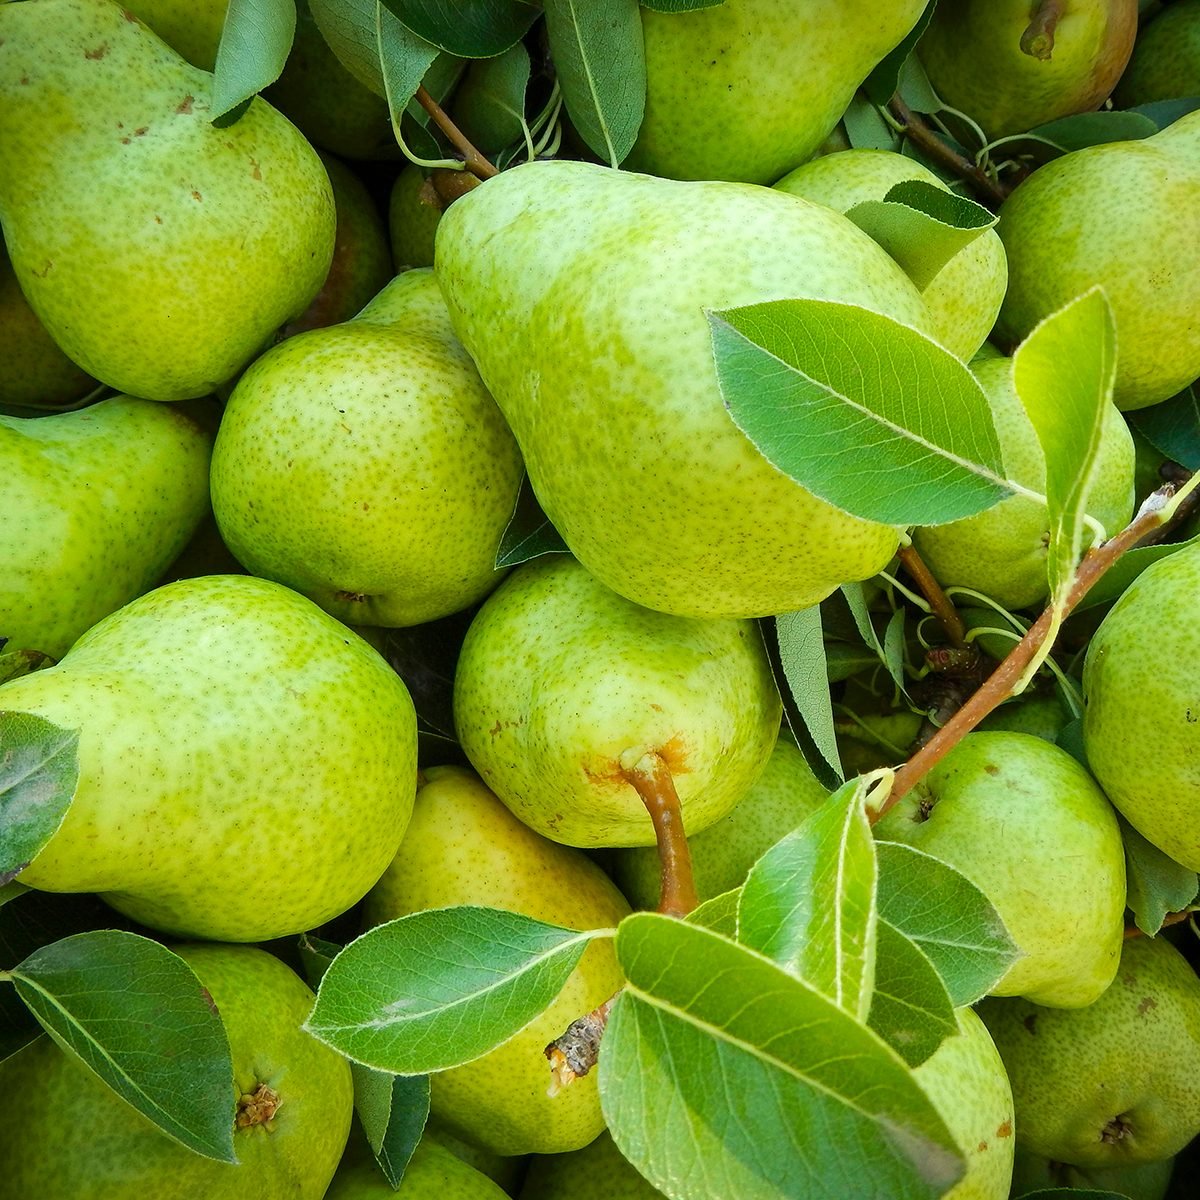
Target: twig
x: 577, y: 1050
x: 941, y: 604
x: 651, y: 778
x: 1038, y: 39
x: 473, y: 160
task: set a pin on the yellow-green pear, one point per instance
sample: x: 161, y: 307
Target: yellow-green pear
x: 1003, y: 552
x: 1166, y: 58
x: 1124, y: 216
x: 96, y: 504
x: 464, y: 847
x: 964, y: 297
x: 748, y: 89
x: 366, y: 466
x: 67, y: 1136
x: 160, y: 251
x: 1140, y: 1181
x: 505, y: 1170
x: 597, y: 1172
x: 563, y: 687
x: 433, y: 1173
x: 580, y: 292
x: 246, y: 764
x: 412, y: 222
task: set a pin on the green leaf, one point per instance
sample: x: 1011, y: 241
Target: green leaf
x: 403, y: 58
x: 255, y: 42
x: 597, y: 50
x: 1157, y: 883
x: 865, y: 127
x: 884, y: 79
x: 910, y: 1008
x: 467, y: 28
x: 1126, y: 569
x: 1091, y: 129
x: 809, y: 902
x: 1072, y: 1194
x: 718, y: 914
x: 1167, y: 112
x: 679, y: 6
x: 528, y: 533
x: 15, y: 663
x: 393, y: 1110
x: 348, y: 27
x: 917, y: 92
x: 759, y: 1087
x: 948, y: 918
x: 842, y: 661
x: 315, y: 956
x: 39, y: 771
x: 134, y: 1013
x: 893, y: 648
x: 437, y: 989
x: 868, y: 414
x: 1173, y: 427
x: 489, y: 107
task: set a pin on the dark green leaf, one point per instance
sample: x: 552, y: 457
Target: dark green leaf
x: 135, y: 1014
x: 883, y: 80
x: 842, y: 661
x: 1072, y: 1194
x: 39, y: 770
x: 1092, y: 129
x: 1167, y: 112
x: 315, y: 956
x: 403, y: 59
x: 528, y: 533
x: 255, y: 42
x: 893, y: 647
x: 1157, y: 883
x: 1127, y: 568
x: 467, y: 28
x: 393, y: 1110
x: 348, y: 27
x: 910, y: 1008
x: 489, y: 107
x: 679, y: 6
x: 1070, y: 739
x: 1173, y: 427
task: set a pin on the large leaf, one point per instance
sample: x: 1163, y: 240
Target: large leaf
x: 489, y: 106
x: 134, y: 1013
x: 528, y: 533
x: 809, y: 902
x: 255, y: 42
x: 403, y: 59
x: 348, y: 26
x: 1173, y: 427
x: 597, y: 50
x: 39, y: 770
x: 437, y: 989
x: 467, y: 28
x: 720, y: 913
x: 1157, y: 883
x: 679, y: 6
x: 868, y: 414
x: 723, y: 1075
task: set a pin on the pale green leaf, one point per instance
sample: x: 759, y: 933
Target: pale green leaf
x: 1157, y: 884
x: 865, y: 127
x: 718, y: 914
x: 467, y: 28
x: 255, y: 42
x: 893, y: 647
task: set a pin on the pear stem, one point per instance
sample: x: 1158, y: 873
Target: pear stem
x: 472, y: 159
x: 941, y: 604
x: 577, y: 1050
x: 651, y: 778
x: 1038, y: 39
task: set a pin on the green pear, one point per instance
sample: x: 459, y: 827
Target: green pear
x: 964, y: 297
x: 1014, y: 64
x: 465, y: 847
x: 433, y: 1173
x: 1125, y: 216
x: 1042, y: 716
x: 412, y: 222
x: 159, y: 251
x: 505, y: 1170
x: 1113, y: 1084
x: 597, y: 1172
x: 1141, y: 721
x: 748, y: 89
x: 1141, y: 1181
x: 580, y: 292
x: 1020, y: 817
x: 1003, y: 552
x: 562, y: 686
x: 246, y: 763
x: 781, y: 798
x: 366, y: 466
x: 867, y: 741
x: 96, y: 504
x: 67, y: 1136
x: 1166, y: 58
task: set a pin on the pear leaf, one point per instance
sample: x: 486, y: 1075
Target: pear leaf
x: 1072, y: 1194
x: 759, y: 1088
x: 893, y: 648
x: 1126, y: 569
x: 856, y: 602
x: 489, y: 106
x: 597, y: 50
x: 15, y: 663
x: 134, y: 1013
x: 679, y: 6
x: 1081, y: 130
x: 528, y: 533
x: 348, y: 27
x: 39, y: 771
x: 843, y: 660
x: 403, y: 58
x: 865, y: 127
x: 718, y: 914
x: 437, y: 989
x: 809, y: 901
x: 868, y: 414
x: 885, y: 78
x: 255, y: 42
x: 1166, y: 112
x: 9, y: 892
x: 1157, y: 883
x: 948, y: 917
x: 467, y: 28
x: 1173, y: 427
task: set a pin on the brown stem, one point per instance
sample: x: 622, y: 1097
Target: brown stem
x: 474, y: 161
x: 1174, y: 918
x: 941, y: 604
x: 574, y: 1053
x: 1038, y: 39
x: 651, y: 778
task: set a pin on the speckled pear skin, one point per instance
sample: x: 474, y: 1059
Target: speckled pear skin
x: 97, y: 503
x: 465, y: 847
x: 964, y: 297
x: 68, y: 1137
x: 411, y: 223
x: 247, y: 765
x: 1002, y: 552
x: 1017, y: 816
x: 597, y: 1172
x: 965, y: 1079
x: 1115, y: 1083
x: 407, y: 470
x: 1126, y: 216
x: 580, y: 292
x: 562, y: 683
x: 1166, y: 58
x: 160, y: 252
x: 795, y: 67
x: 973, y: 57
x: 433, y: 1173
x: 1140, y: 724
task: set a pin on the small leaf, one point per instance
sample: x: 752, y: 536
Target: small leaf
x: 15, y: 663
x: 1157, y: 883
x: 1126, y: 569
x: 1072, y: 1194
x: 528, y: 533
x: 393, y: 1110
x: 893, y: 648
x: 679, y: 6
x: 39, y: 771
x: 134, y: 1013
x: 255, y: 42
x: 348, y: 27
x: 489, y: 106
x: 467, y: 28
x: 437, y: 989
x: 883, y: 80
x: 842, y: 661
x: 870, y: 415
x: 865, y: 127
x: 1173, y: 427
x: 718, y: 914
x: 315, y: 956
x: 597, y: 50
x: 403, y: 59
x: 1167, y: 112
x: 917, y: 92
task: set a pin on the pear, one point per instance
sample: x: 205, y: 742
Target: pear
x: 580, y: 293
x: 562, y: 686
x: 749, y: 89
x: 246, y: 763
x: 964, y: 297
x: 96, y: 504
x: 366, y: 465
x: 1125, y: 216
x: 1002, y: 552
x: 1113, y: 1084
x: 1166, y: 58
x: 1014, y: 64
x: 597, y: 1172
x: 1142, y: 1181
x: 67, y: 1136
x: 159, y: 251
x: 1018, y: 817
x: 465, y: 847
x: 412, y: 222
x: 433, y: 1173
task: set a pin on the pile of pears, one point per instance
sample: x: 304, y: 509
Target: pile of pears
x: 268, y: 397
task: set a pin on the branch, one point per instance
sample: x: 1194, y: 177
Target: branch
x: 1038, y: 39
x: 651, y: 777
x: 941, y: 604
x: 473, y: 160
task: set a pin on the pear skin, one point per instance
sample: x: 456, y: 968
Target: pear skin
x: 433, y: 1173
x: 1166, y: 58
x: 597, y: 1172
